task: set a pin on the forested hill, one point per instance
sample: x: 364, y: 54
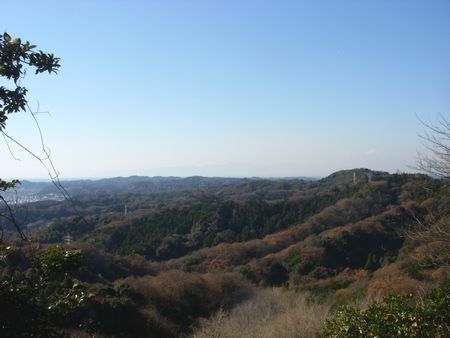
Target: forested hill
x: 36, y: 191
x: 163, y: 226
x: 160, y: 260
x: 106, y: 196
x: 193, y: 213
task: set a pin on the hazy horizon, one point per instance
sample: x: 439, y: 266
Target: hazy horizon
x: 194, y: 174
x: 231, y: 89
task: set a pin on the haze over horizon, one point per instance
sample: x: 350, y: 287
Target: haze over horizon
x: 233, y: 89
x: 184, y: 172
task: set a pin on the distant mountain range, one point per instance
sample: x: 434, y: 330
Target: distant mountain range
x: 32, y: 191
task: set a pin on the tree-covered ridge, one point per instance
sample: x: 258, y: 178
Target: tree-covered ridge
x: 179, y: 257
x: 162, y: 185
x: 212, y: 222
x: 174, y: 225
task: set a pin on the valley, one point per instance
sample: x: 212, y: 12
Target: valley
x: 187, y: 247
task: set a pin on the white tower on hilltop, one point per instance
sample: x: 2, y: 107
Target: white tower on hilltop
x: 68, y: 239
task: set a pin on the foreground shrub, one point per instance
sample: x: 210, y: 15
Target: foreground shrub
x: 43, y: 300
x: 395, y: 316
x: 40, y: 298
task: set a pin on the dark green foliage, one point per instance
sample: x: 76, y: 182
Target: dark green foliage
x: 415, y: 270
x: 324, y: 290
x: 43, y: 300
x: 188, y: 263
x: 365, y: 245
x: 55, y: 263
x: 115, y: 313
x: 372, y: 262
x: 15, y: 57
x: 297, y: 263
x: 211, y: 222
x: 104, y: 268
x: 21, y: 313
x: 76, y: 227
x: 276, y: 275
x: 395, y: 316
x: 5, y: 185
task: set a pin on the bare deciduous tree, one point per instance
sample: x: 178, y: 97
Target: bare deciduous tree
x: 436, y: 139
x: 434, y: 235
x: 434, y: 231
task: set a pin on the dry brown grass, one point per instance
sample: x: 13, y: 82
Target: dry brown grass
x: 269, y: 313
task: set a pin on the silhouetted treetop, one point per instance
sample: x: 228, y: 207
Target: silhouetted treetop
x: 15, y: 59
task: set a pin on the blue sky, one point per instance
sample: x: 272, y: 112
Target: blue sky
x: 231, y: 88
